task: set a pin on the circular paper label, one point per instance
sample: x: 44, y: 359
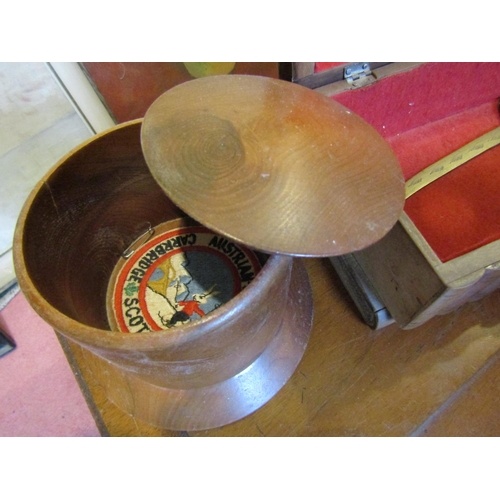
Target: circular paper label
x: 178, y: 276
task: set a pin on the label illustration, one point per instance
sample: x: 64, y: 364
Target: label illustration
x: 180, y: 275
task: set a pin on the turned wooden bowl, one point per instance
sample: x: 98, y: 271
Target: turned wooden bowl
x: 73, y: 229
x: 266, y: 163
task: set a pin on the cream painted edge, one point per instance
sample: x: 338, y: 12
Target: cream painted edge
x: 460, y: 271
x: 82, y: 95
x: 7, y: 274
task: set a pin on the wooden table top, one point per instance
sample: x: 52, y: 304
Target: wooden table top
x: 440, y: 379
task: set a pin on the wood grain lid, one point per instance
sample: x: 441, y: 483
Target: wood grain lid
x: 273, y: 165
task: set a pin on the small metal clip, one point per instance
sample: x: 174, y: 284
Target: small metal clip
x: 143, y: 238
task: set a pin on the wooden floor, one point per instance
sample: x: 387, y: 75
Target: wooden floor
x: 441, y: 379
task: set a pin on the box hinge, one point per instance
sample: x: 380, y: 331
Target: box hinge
x: 358, y: 75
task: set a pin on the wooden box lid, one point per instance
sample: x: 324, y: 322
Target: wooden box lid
x: 273, y: 165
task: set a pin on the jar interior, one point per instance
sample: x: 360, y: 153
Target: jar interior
x: 83, y: 217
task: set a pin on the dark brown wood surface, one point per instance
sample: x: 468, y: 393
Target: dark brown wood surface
x: 439, y: 379
x: 273, y: 165
x: 73, y: 229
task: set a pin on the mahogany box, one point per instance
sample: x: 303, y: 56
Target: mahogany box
x: 445, y: 249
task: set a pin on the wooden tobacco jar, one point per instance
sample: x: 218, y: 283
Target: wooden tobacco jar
x: 260, y: 170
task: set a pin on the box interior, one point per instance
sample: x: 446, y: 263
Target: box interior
x: 426, y: 114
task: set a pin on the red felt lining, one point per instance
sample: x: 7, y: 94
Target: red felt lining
x: 422, y: 146
x: 460, y: 211
x: 425, y: 94
x: 323, y: 66
x: 426, y: 114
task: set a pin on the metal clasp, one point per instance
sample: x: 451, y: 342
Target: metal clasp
x: 138, y: 242
x: 358, y: 74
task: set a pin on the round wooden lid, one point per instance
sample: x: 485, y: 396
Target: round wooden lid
x: 273, y: 165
